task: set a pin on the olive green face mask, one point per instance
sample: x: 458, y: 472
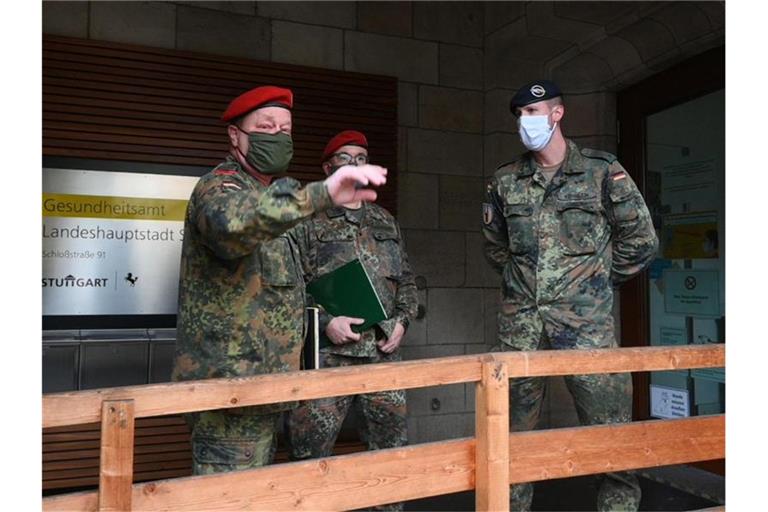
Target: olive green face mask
x: 269, y: 153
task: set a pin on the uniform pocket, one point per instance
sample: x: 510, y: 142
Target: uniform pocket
x: 520, y: 228
x: 278, y: 267
x: 217, y: 450
x: 386, y: 255
x: 623, y: 204
x: 335, y: 246
x: 579, y: 223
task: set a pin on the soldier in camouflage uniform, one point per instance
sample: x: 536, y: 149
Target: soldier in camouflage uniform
x: 327, y: 241
x: 241, y: 294
x: 563, y: 226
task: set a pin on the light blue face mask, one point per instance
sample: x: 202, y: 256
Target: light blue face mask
x: 535, y: 131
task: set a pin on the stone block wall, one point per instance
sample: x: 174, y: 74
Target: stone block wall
x: 458, y: 64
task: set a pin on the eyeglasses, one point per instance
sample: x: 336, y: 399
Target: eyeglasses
x: 346, y: 158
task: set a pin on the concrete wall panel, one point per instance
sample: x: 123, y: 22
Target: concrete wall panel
x: 224, y: 33
x: 392, y: 18
x: 417, y: 199
x: 461, y: 66
x: 307, y: 45
x: 65, y: 19
x: 449, y: 22
x: 334, y: 14
x: 460, y: 199
x: 147, y: 23
x: 456, y: 316
x: 479, y: 272
x: 407, y: 59
x: 438, y: 256
x: 442, y: 108
x: 440, y: 152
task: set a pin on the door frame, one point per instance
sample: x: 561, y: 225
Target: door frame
x: 695, y: 77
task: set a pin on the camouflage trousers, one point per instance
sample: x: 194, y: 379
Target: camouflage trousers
x: 314, y: 426
x: 599, y: 399
x: 229, y: 440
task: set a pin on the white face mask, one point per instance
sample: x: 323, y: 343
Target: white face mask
x: 535, y: 131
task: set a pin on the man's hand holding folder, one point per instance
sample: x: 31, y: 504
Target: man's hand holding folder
x: 348, y: 295
x: 339, y: 330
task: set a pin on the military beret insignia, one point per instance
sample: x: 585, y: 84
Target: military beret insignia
x: 533, y: 92
x: 231, y: 185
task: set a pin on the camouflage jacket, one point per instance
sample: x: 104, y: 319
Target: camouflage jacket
x: 334, y: 237
x: 561, y: 247
x: 241, y: 294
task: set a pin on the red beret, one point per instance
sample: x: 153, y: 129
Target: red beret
x: 342, y: 139
x: 264, y: 96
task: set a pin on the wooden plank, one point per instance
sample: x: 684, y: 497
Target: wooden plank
x: 138, y: 442
x: 152, y: 448
x: 80, y: 501
x: 162, y: 464
x: 182, y: 453
x: 93, y: 481
x: 116, y: 466
x: 206, y: 87
x: 88, y: 137
x: 129, y: 157
x: 616, y: 360
x: 339, y: 483
x: 569, y: 452
x: 173, y: 398
x: 153, y: 96
x: 160, y: 399
x: 370, y: 478
x: 180, y: 65
x: 89, y: 46
x: 492, y: 433
x: 304, y: 122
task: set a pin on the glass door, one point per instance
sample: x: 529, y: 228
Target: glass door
x: 685, y: 192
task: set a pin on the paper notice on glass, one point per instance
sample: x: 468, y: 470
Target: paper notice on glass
x: 690, y: 236
x: 692, y: 292
x: 693, y: 183
x: 669, y: 402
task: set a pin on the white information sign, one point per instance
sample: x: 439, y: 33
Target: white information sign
x: 692, y: 292
x: 112, y: 241
x: 669, y: 402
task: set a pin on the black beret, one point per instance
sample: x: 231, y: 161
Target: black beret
x: 539, y: 90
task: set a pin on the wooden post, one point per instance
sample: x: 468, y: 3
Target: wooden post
x: 492, y: 433
x: 116, y: 463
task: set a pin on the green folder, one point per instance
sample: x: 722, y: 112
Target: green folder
x: 348, y: 291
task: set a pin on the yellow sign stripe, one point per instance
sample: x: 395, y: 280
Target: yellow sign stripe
x: 113, y: 207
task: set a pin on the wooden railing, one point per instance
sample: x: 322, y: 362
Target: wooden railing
x: 487, y: 463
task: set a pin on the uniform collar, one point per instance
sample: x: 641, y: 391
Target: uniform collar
x: 338, y: 211
x: 572, y: 164
x: 237, y: 158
